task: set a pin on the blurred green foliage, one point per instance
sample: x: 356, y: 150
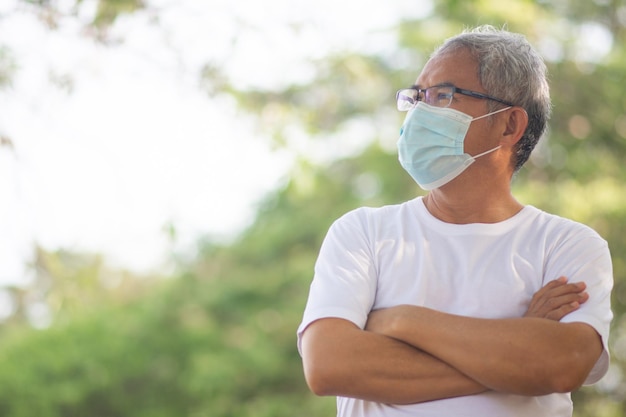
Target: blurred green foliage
x: 106, y: 11
x: 7, y: 66
x: 218, y: 338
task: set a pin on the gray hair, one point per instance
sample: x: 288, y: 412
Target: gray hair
x: 509, y: 69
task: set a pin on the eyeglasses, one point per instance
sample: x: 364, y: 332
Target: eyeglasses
x: 437, y: 95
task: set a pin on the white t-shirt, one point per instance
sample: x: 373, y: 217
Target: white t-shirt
x: 375, y: 258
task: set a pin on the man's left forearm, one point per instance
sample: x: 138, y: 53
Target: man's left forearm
x: 526, y: 356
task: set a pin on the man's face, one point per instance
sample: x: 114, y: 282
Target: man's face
x: 460, y: 69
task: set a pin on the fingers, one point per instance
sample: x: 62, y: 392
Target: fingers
x: 554, y: 290
x: 560, y: 287
x: 557, y: 299
x: 564, y: 306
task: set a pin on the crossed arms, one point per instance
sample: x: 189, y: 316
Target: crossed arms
x: 409, y: 354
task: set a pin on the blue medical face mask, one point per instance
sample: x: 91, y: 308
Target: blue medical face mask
x: 430, y: 147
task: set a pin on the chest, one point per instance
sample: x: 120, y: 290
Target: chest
x: 480, y: 277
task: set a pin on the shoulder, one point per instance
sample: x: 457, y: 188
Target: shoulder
x: 558, y: 227
x: 373, y: 218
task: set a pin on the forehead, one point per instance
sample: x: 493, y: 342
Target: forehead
x: 456, y: 67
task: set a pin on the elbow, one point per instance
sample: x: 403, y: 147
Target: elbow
x: 567, y: 377
x: 548, y: 382
x: 570, y: 370
x: 324, y: 373
x: 319, y: 372
x: 566, y: 382
x: 320, y: 379
x: 572, y: 375
x: 318, y: 385
x: 323, y: 359
x: 578, y: 361
x: 551, y: 378
x: 326, y: 357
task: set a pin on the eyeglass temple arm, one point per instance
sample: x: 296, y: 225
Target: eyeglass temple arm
x: 476, y: 94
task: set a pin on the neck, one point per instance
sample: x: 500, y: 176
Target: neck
x: 459, y: 204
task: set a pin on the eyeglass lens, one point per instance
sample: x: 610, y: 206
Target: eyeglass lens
x: 438, y: 96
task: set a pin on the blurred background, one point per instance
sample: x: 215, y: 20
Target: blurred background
x: 168, y: 170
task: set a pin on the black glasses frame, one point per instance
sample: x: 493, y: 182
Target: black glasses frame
x: 455, y: 89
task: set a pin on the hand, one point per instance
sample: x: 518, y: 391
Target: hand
x: 557, y: 299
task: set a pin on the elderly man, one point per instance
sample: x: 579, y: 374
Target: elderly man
x: 463, y: 302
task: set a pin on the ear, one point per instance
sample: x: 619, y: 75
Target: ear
x: 515, y: 126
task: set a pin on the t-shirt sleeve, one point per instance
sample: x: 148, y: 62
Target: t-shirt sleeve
x: 584, y: 256
x: 344, y: 282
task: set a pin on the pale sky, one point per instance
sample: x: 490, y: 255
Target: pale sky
x: 135, y: 143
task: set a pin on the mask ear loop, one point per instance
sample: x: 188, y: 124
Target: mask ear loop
x: 486, y: 152
x: 497, y: 147
x: 493, y: 112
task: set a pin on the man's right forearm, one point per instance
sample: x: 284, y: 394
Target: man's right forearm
x: 341, y: 359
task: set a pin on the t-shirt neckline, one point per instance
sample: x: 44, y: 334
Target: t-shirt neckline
x: 483, y: 228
